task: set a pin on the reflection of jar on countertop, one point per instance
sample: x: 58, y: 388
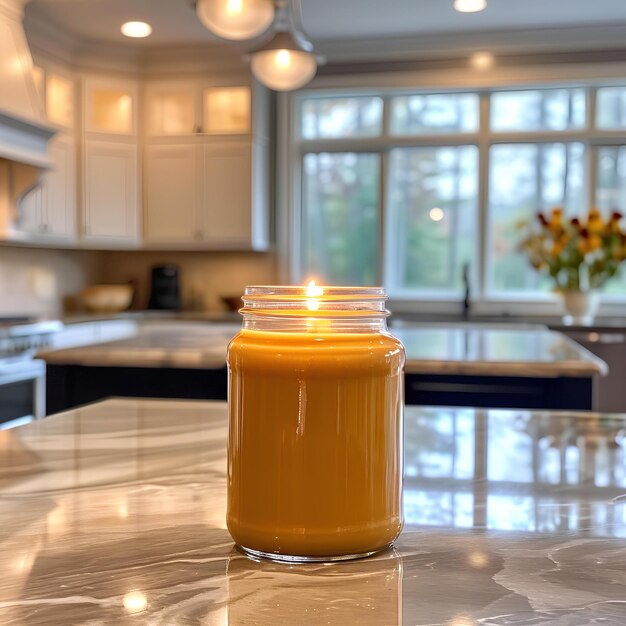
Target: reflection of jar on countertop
x: 366, y: 592
x: 315, y: 430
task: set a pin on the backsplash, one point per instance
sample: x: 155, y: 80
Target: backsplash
x: 36, y: 282
x: 205, y: 276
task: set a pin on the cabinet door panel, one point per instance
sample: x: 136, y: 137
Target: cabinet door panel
x: 227, y: 194
x: 171, y: 193
x: 60, y: 186
x: 30, y: 208
x: 110, y: 191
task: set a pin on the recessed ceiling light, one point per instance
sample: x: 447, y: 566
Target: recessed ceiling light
x: 470, y: 6
x: 136, y: 29
x: 481, y: 60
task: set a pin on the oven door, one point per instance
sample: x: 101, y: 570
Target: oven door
x: 22, y: 392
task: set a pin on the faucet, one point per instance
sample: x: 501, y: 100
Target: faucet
x: 466, y: 287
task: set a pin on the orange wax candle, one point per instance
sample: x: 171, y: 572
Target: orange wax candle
x: 315, y: 425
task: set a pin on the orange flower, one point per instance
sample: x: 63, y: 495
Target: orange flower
x: 555, y: 223
x: 595, y: 242
x: 594, y: 221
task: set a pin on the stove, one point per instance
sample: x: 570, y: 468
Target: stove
x: 22, y: 377
x: 22, y: 337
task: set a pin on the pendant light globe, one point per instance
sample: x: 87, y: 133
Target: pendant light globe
x: 285, y: 63
x: 236, y: 19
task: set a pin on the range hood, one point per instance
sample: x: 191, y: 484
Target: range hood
x: 24, y: 134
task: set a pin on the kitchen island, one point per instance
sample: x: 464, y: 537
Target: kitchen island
x: 453, y: 364
x: 115, y: 514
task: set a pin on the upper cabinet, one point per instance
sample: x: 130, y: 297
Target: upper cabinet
x: 206, y: 155
x: 172, y: 194
x: 60, y: 100
x: 110, y: 202
x: 110, y: 165
x: 176, y: 164
x: 110, y: 106
x: 171, y: 109
x: 226, y: 110
x: 48, y: 212
x: 189, y: 108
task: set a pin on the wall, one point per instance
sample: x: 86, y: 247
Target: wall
x: 36, y: 282
x: 211, y: 274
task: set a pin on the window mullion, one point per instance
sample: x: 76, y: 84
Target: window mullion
x: 484, y: 237
x: 591, y: 151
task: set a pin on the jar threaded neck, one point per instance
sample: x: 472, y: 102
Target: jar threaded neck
x: 335, y: 309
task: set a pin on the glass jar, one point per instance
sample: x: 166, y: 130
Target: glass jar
x: 315, y: 424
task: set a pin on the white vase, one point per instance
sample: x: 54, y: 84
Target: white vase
x: 579, y: 307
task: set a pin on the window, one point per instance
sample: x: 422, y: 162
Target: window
x: 341, y: 217
x: 525, y: 178
x: 431, y: 230
x: 413, y: 188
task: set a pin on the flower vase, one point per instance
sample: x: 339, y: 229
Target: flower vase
x: 580, y: 307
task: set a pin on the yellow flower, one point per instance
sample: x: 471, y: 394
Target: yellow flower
x: 556, y: 220
x: 595, y: 242
x: 594, y: 221
x: 584, y: 244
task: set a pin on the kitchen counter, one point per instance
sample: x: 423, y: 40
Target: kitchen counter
x: 478, y: 349
x: 454, y: 348
x: 188, y: 345
x: 114, y: 514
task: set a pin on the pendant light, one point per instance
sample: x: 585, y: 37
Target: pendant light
x: 284, y: 63
x: 287, y: 61
x: 236, y: 19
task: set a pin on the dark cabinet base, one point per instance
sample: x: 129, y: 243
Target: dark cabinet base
x: 69, y: 386
x: 500, y: 392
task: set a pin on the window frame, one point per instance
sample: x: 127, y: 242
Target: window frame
x: 293, y: 147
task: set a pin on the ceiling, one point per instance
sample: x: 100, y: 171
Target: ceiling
x: 174, y: 21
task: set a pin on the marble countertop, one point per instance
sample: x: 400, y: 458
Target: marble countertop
x: 488, y: 350
x: 114, y: 514
x: 467, y: 349
x: 193, y: 345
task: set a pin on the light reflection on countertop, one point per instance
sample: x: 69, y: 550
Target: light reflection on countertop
x: 114, y: 514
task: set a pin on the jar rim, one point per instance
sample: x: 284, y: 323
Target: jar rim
x: 300, y: 292
x: 342, y: 305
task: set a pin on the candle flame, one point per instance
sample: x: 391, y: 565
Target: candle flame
x: 313, y: 291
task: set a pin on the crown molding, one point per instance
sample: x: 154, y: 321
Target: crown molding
x: 598, y: 43
x: 450, y: 45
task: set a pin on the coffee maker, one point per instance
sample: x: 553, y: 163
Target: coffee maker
x: 165, y: 289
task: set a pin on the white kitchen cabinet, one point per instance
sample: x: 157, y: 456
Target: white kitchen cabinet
x: 173, y: 194
x: 60, y: 189
x: 49, y: 211
x: 227, y: 202
x: 110, y: 202
x: 226, y: 110
x: 30, y: 213
x: 110, y: 106
x: 206, y: 166
x: 171, y: 109
x: 206, y: 195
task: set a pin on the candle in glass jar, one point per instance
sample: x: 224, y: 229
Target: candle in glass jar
x: 315, y: 424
